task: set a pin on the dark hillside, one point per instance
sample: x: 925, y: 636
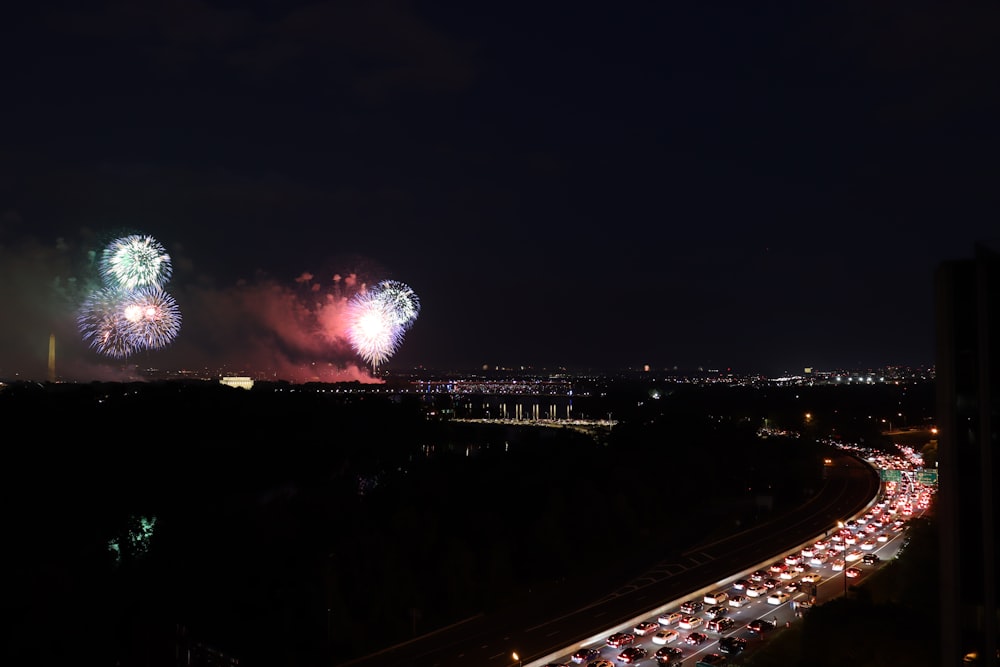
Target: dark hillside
x: 292, y: 526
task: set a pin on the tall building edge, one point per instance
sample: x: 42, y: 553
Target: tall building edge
x: 967, y: 323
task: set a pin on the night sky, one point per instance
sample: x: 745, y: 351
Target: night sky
x: 755, y: 186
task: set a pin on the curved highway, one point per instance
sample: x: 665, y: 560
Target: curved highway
x: 537, y: 632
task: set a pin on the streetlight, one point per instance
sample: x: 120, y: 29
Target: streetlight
x: 516, y: 657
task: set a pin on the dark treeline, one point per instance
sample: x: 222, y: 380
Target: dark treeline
x: 297, y: 527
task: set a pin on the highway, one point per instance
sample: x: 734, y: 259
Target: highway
x: 832, y: 584
x: 546, y: 632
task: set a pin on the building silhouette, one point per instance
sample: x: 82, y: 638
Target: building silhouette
x: 967, y: 304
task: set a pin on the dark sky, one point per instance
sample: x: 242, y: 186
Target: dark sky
x: 755, y: 186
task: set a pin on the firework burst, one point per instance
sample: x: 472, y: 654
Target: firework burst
x: 103, y: 324
x: 119, y: 323
x: 131, y: 312
x: 152, y: 315
x: 135, y: 261
x: 401, y: 299
x: 373, y: 327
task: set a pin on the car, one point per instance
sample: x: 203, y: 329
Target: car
x: 853, y: 555
x: 772, y: 583
x: 756, y: 590
x: 692, y: 606
x: 713, y: 659
x: 585, y: 655
x: 741, y: 584
x: 665, y: 636
x: 645, y: 628
x: 793, y: 587
x: 732, y: 644
x: 838, y: 565
x: 716, y: 611
x: 696, y: 638
x: 868, y: 545
x: 633, y: 654
x: 720, y: 624
x: 819, y: 558
x: 808, y: 552
x: 690, y: 622
x: 793, y: 559
x: 882, y: 537
x: 870, y: 559
x: 761, y: 626
x: 777, y: 568
x: 620, y: 639
x: 787, y: 574
x: 601, y: 663
x: 812, y: 578
x: 738, y: 600
x: 778, y: 597
x: 719, y: 597
x: 670, y: 617
x: 758, y: 576
x: 668, y: 654
x: 852, y: 572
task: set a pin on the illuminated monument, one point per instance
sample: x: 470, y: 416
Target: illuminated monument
x: 52, y: 357
x: 239, y: 382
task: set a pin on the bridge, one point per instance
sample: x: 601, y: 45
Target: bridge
x: 589, y: 427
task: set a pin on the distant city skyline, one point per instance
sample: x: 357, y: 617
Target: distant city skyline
x: 886, y: 373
